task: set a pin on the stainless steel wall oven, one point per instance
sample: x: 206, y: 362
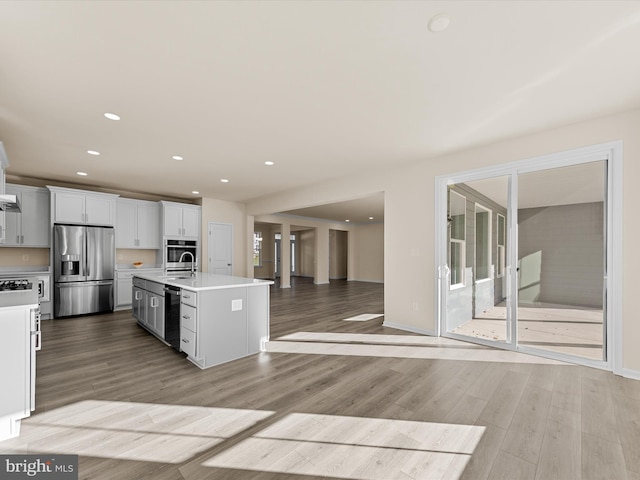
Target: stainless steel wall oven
x: 175, y: 258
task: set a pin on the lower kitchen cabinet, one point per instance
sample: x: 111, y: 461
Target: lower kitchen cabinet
x: 148, y: 305
x: 124, y: 284
x: 220, y: 325
x: 222, y: 318
x: 17, y: 367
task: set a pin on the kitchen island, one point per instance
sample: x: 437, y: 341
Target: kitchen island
x: 211, y: 318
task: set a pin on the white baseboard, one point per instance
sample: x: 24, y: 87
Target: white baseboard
x: 407, y: 328
x: 362, y: 280
x: 629, y: 373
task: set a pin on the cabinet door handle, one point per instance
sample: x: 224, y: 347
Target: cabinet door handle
x: 138, y: 297
x: 18, y: 239
x: 186, y: 296
x: 154, y: 302
x: 22, y: 239
x: 186, y: 317
x: 185, y: 340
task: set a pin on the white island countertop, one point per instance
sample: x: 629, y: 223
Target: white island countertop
x: 202, y: 281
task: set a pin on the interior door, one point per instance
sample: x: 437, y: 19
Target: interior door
x: 220, y: 248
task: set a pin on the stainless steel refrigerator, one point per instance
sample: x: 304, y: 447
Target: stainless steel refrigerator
x: 83, y: 266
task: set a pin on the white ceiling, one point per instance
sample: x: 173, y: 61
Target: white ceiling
x: 323, y: 89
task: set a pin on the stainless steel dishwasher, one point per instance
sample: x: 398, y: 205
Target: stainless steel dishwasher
x: 172, y: 316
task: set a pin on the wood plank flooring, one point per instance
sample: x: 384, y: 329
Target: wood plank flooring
x: 329, y: 399
x: 556, y: 328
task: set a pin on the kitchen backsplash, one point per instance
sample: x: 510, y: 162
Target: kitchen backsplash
x: 36, y: 257
x: 128, y: 256
x: 24, y: 257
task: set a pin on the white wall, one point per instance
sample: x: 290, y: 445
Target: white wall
x: 409, y: 239
x: 366, y: 253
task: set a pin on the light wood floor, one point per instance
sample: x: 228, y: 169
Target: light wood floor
x: 330, y: 399
x: 556, y: 328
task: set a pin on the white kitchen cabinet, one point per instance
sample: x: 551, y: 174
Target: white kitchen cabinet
x: 181, y: 220
x: 148, y: 305
x: 188, y: 323
x: 82, y: 207
x: 17, y: 368
x: 138, y: 300
x: 30, y: 227
x: 138, y: 224
x: 4, y: 163
x: 124, y: 290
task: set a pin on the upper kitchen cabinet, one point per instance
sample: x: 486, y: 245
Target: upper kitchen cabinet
x: 181, y: 220
x: 138, y: 224
x: 31, y: 227
x: 82, y: 207
x: 4, y: 163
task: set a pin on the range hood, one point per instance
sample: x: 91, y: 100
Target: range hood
x: 9, y: 203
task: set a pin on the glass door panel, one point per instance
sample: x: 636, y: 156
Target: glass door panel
x: 561, y: 260
x: 477, y: 300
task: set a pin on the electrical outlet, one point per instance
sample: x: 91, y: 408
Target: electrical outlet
x: 25, y: 258
x: 236, y: 305
x: 415, y: 306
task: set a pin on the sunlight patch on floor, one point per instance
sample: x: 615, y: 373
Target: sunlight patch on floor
x: 364, y: 317
x: 396, y: 346
x: 131, y: 431
x: 355, y: 448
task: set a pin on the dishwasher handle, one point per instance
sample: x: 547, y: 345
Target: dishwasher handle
x: 172, y: 290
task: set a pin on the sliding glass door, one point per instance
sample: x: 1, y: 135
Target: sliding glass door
x: 477, y: 294
x: 561, y: 260
x: 524, y: 258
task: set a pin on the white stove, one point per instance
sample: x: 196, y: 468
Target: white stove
x: 18, y: 291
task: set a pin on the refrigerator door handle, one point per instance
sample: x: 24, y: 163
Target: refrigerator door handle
x: 91, y: 283
x: 87, y: 271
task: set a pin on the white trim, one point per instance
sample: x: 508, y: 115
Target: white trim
x: 501, y: 258
x: 610, y: 151
x: 407, y: 328
x: 629, y: 373
x: 489, y: 212
x: 615, y: 264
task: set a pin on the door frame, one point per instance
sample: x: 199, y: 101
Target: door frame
x: 612, y: 310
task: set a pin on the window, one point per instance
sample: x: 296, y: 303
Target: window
x: 501, y: 238
x: 483, y: 243
x: 257, y: 249
x: 457, y: 237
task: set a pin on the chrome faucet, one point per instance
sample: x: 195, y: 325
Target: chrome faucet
x: 193, y: 262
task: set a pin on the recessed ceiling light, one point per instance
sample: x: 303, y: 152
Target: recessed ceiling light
x: 82, y: 174
x: 177, y: 157
x: 224, y: 180
x: 112, y: 116
x: 195, y: 192
x: 93, y: 152
x: 347, y: 220
x: 370, y: 218
x: 439, y: 22
x: 268, y: 162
